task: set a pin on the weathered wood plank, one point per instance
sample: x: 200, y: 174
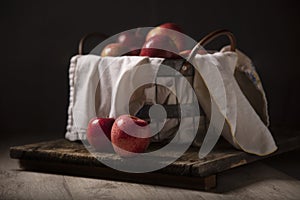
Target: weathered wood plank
x: 188, y: 182
x: 73, y: 158
x: 85, y: 188
x: 28, y: 185
x: 229, y: 159
x: 257, y: 181
x: 254, y: 181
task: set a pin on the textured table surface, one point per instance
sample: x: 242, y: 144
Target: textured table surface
x: 274, y: 178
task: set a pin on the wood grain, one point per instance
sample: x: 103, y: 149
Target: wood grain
x: 254, y: 181
x: 62, y: 156
x: 21, y: 185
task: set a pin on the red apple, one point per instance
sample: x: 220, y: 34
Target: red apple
x: 131, y: 39
x: 140, y: 34
x: 175, y: 35
x: 126, y: 38
x: 172, y: 26
x: 98, y: 129
x: 126, y: 145
x: 186, y: 53
x: 160, y: 46
x: 114, y: 49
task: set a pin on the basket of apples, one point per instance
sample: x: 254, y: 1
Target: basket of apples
x: 166, y: 41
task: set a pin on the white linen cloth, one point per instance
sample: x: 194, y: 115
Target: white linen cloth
x: 88, y: 101
x: 243, y: 128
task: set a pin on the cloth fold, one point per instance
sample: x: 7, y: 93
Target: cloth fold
x: 243, y: 127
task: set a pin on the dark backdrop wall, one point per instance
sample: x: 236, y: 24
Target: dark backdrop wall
x: 38, y: 38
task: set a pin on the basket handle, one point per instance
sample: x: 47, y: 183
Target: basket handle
x: 87, y: 36
x: 211, y: 36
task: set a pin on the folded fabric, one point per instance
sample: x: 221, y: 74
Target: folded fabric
x: 244, y: 128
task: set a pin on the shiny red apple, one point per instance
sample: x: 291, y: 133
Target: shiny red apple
x: 114, y: 49
x: 130, y: 135
x: 172, y: 26
x: 160, y: 46
x: 126, y: 38
x: 99, y: 133
x: 131, y: 38
x: 176, y: 35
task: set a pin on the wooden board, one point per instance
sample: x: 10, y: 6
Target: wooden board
x: 65, y: 157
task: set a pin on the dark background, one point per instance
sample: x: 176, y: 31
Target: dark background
x: 38, y: 38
